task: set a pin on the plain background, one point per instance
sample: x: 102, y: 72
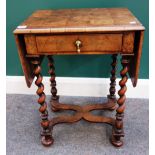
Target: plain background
x: 73, y: 66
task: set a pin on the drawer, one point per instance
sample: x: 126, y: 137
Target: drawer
x: 77, y: 44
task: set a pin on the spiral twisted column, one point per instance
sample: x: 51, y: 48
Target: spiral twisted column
x: 118, y: 127
x: 112, y: 89
x: 46, y: 133
x: 52, y: 79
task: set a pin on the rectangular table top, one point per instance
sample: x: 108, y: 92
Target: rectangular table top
x: 80, y: 20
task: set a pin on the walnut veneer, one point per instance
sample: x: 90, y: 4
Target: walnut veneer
x: 113, y: 31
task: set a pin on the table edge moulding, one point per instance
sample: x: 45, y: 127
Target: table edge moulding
x: 46, y: 33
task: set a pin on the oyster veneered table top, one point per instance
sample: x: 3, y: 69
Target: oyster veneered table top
x: 80, y: 20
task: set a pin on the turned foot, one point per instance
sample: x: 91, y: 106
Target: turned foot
x: 116, y: 141
x: 47, y: 140
x: 116, y: 138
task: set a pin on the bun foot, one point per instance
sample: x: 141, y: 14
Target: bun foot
x: 116, y: 142
x: 47, y: 140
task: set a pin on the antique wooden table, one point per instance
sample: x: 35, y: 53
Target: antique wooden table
x: 80, y: 31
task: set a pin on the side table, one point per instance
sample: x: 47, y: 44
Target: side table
x: 112, y: 31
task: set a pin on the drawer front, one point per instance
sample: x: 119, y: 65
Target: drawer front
x: 88, y: 43
x: 80, y: 44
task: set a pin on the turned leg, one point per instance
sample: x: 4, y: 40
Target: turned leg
x: 112, y: 89
x: 54, y: 97
x: 118, y: 126
x: 46, y: 133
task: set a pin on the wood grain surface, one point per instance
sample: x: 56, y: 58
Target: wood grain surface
x: 89, y: 42
x: 80, y: 20
x: 26, y: 65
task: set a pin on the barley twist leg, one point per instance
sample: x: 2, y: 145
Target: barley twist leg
x: 118, y: 127
x: 54, y: 97
x: 112, y: 89
x: 46, y: 133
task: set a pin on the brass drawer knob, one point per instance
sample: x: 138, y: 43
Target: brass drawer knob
x: 78, y: 44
